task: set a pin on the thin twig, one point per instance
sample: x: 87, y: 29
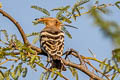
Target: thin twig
x: 51, y: 71
x: 81, y: 68
x: 96, y: 69
x: 55, y: 77
x: 67, y: 54
x: 8, y: 60
x: 96, y: 7
x: 79, y: 56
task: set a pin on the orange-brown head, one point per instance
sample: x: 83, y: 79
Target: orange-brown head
x: 51, y: 22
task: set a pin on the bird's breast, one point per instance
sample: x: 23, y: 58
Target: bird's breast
x: 52, y: 41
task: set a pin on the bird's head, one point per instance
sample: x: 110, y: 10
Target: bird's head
x: 51, y: 22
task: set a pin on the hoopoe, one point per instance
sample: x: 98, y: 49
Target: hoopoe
x: 52, y: 41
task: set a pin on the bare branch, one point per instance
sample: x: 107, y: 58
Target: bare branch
x: 81, y: 68
x: 17, y: 25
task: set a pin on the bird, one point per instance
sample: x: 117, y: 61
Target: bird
x: 52, y: 41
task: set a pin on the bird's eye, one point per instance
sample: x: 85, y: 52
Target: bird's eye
x: 56, y: 22
x: 36, y: 18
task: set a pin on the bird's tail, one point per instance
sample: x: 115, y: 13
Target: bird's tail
x: 57, y: 63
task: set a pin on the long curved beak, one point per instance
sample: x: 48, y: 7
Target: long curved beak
x: 67, y: 25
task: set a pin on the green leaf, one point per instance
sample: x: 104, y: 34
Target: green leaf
x: 61, y: 8
x: 18, y: 73
x: 116, y: 54
x: 38, y: 58
x: 115, y: 67
x: 65, y: 19
x: 13, y: 37
x: 13, y: 75
x: 35, y: 40
x: 31, y: 51
x: 59, y: 73
x: 24, y: 72
x: 59, y: 14
x: 56, y: 9
x: 52, y: 75
x: 66, y: 7
x: 6, y: 49
x: 28, y: 49
x: 19, y: 44
x: 68, y: 14
x: 61, y: 11
x: 19, y: 70
x: 93, y: 55
x: 107, y: 69
x: 6, y: 74
x: 42, y: 76
x: 79, y: 7
x: 1, y: 75
x: 102, y: 64
x: 16, y: 69
x: 41, y: 9
x: 66, y: 32
x: 76, y: 76
x: 47, y: 75
x: 117, y: 4
x: 1, y: 67
x: 33, y: 59
x: 53, y: 72
x: 73, y: 14
x: 12, y: 66
x: 72, y: 70
x: 75, y: 7
x: 103, y: 10
x: 77, y: 4
x: 113, y: 76
x: 33, y: 34
x: 23, y: 56
x: 5, y: 33
x: 78, y: 11
x: 41, y: 64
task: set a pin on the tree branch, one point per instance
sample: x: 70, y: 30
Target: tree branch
x: 17, y: 25
x: 25, y: 40
x: 81, y: 68
x: 51, y: 71
x: 67, y: 63
x: 7, y: 61
x: 97, y: 69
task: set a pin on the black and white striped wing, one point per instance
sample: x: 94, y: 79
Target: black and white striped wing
x: 52, y: 42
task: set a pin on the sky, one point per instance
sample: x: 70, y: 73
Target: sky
x: 88, y: 36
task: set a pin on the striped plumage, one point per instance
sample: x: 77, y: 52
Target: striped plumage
x: 52, y: 41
